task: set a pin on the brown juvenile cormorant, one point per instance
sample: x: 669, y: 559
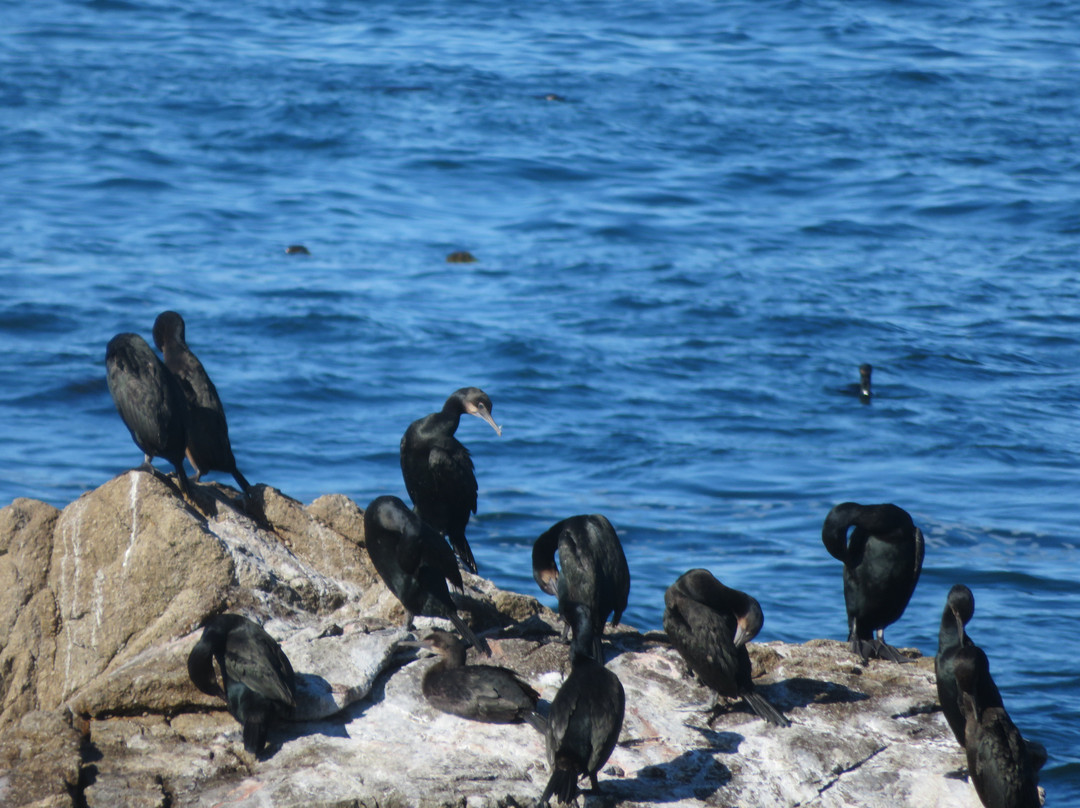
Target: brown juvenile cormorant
x: 414, y: 563
x: 882, y: 558
x: 593, y: 571
x: 258, y: 683
x: 438, y: 470
x: 208, y: 444
x: 585, y: 718
x: 998, y: 759
x: 149, y: 401
x: 480, y: 692
x: 709, y: 624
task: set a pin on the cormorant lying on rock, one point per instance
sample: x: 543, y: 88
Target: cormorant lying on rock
x: 593, y: 573
x: 585, y: 718
x: 438, y: 470
x: 998, y: 759
x: 208, y: 444
x: 882, y: 558
x: 709, y: 624
x: 480, y: 692
x: 149, y: 401
x: 414, y: 563
x: 257, y: 680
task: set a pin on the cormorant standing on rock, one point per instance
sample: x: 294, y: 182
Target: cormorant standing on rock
x: 709, y: 624
x: 585, y: 718
x: 480, y: 692
x: 593, y: 571
x: 258, y: 683
x: 414, y: 563
x: 438, y: 470
x: 149, y: 401
x: 882, y: 558
x: 998, y: 759
x: 208, y: 444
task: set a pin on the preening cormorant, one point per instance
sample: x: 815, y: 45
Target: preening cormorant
x: 999, y: 762
x: 438, y: 470
x: 585, y: 718
x: 480, y: 692
x: 882, y: 558
x: 592, y: 570
x: 709, y: 624
x: 414, y: 563
x: 208, y: 444
x: 149, y: 401
x: 258, y: 683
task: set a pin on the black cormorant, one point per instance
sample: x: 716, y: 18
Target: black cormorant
x: 438, y: 470
x: 208, y: 444
x: 865, y: 371
x: 258, y: 683
x: 414, y: 563
x: 709, y: 624
x: 480, y: 692
x: 149, y: 401
x: 592, y: 570
x: 999, y: 762
x: 882, y: 558
x: 585, y: 718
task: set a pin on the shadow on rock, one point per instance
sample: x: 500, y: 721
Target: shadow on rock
x: 693, y: 775
x: 800, y: 692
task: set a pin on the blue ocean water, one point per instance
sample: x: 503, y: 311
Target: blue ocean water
x: 693, y: 220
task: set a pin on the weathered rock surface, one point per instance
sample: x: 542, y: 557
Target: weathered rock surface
x: 100, y: 605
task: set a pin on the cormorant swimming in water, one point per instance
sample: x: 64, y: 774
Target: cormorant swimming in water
x: 594, y: 570
x: 480, y: 692
x: 864, y: 382
x: 414, y: 563
x: 438, y: 470
x: 952, y: 637
x: 882, y: 558
x: 709, y: 624
x: 585, y: 718
x: 208, y: 444
x: 999, y: 762
x: 149, y: 401
x: 258, y: 683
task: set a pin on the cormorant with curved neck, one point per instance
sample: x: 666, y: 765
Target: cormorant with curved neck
x: 710, y: 624
x: 480, y: 692
x: 438, y: 469
x: 208, y: 445
x: 952, y: 637
x: 149, y: 401
x: 593, y: 571
x: 414, y: 563
x: 882, y: 557
x: 999, y: 762
x: 258, y: 683
x: 585, y: 718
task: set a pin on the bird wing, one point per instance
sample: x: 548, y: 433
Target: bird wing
x: 256, y: 660
x: 452, y: 476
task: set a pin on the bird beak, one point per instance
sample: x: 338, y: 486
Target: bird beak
x: 483, y: 413
x: 959, y: 627
x: 740, y: 634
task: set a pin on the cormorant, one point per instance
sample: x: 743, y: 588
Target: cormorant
x: 480, y: 692
x: 594, y: 570
x: 438, y: 470
x: 414, y: 563
x: 585, y: 718
x: 864, y: 382
x: 998, y: 759
x: 149, y: 401
x: 208, y: 444
x: 882, y: 558
x: 258, y: 683
x: 709, y: 624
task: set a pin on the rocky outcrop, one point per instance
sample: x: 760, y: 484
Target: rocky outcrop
x: 100, y: 605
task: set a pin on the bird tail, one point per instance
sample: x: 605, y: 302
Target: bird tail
x: 467, y: 633
x: 540, y: 724
x: 464, y: 552
x: 240, y: 480
x: 563, y: 784
x: 760, y: 705
x: 255, y: 734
